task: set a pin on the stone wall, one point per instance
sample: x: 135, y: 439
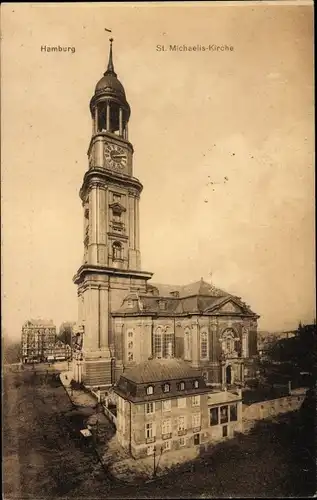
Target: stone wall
x: 271, y: 408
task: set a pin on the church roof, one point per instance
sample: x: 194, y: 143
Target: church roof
x: 109, y: 84
x: 200, y: 287
x: 157, y: 370
x: 174, y: 300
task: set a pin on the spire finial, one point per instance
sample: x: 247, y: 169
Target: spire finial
x: 110, y: 68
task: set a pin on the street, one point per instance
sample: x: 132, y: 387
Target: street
x: 44, y: 457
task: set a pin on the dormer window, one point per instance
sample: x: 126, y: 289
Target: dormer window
x: 149, y: 390
x: 162, y: 305
x: 166, y: 388
x: 181, y: 386
x: 196, y: 384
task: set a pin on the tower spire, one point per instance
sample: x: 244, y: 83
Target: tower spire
x: 110, y: 68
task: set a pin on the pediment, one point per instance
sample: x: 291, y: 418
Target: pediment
x: 230, y: 307
x: 227, y: 307
x: 117, y: 207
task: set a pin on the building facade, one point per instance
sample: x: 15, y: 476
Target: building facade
x: 123, y: 319
x: 203, y: 325
x: 38, y: 338
x: 58, y: 352
x: 166, y: 404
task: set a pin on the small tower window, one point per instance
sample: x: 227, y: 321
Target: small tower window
x: 117, y: 250
x: 116, y: 215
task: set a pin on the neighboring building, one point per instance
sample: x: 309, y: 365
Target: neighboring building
x: 58, y: 352
x: 122, y: 318
x: 166, y: 403
x: 38, y: 338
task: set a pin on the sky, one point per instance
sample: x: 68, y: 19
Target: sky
x: 241, y: 119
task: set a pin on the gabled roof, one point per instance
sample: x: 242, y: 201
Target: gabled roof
x: 200, y: 287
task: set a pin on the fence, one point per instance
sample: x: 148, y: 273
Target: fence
x: 110, y: 415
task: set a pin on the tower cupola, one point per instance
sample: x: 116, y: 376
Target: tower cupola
x: 109, y: 107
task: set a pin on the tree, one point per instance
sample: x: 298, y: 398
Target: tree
x: 66, y: 332
x: 11, y: 350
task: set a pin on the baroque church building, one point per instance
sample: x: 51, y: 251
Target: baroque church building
x: 123, y: 319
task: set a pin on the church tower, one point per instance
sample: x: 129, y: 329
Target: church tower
x: 110, y: 197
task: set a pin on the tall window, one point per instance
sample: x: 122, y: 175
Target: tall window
x: 166, y: 446
x: 116, y: 250
x: 181, y: 424
x: 149, y: 408
x: 223, y: 414
x: 196, y: 420
x: 233, y: 413
x: 213, y: 416
x: 187, y: 344
x: 203, y: 345
x: 163, y: 343
x: 181, y: 402
x: 228, y: 342
x: 158, y: 343
x: 168, y: 346
x: 167, y: 405
x: 166, y: 426
x: 149, y: 430
x: 116, y: 215
x: 130, y: 346
x: 195, y: 400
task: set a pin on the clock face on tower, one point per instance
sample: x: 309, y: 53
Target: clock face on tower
x: 115, y: 156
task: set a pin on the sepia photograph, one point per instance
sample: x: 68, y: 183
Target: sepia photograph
x: 158, y: 250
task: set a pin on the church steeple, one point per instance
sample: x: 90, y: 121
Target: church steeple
x: 110, y: 196
x: 110, y: 68
x: 109, y: 108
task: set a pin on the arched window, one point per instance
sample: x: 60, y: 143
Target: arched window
x: 116, y: 250
x: 166, y: 388
x: 196, y: 384
x: 228, y: 341
x: 157, y: 343
x: 187, y: 344
x: 149, y: 390
x: 203, y: 345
